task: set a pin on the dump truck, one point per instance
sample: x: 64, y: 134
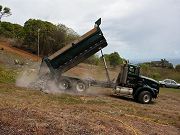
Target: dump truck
x: 128, y: 82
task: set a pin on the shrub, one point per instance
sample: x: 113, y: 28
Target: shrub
x: 177, y: 67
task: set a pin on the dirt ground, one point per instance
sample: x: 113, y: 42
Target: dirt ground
x: 25, y: 111
x: 6, y: 47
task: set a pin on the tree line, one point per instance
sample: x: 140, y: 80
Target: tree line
x: 112, y: 59
x: 51, y: 37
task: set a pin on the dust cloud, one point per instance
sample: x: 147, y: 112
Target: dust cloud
x: 27, y: 76
x: 34, y: 77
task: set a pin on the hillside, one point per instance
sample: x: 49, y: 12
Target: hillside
x: 8, y: 48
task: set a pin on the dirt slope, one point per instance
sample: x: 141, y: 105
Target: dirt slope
x: 17, y: 51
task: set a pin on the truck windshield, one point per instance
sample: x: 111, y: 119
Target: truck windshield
x: 133, y: 70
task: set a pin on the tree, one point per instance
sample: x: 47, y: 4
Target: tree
x: 94, y: 60
x: 18, y: 31
x: 51, y: 37
x: 10, y: 30
x: 70, y: 34
x: 46, y: 39
x: 4, y: 12
x: 115, y: 59
x: 6, y: 29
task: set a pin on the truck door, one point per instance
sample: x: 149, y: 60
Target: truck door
x: 133, y: 73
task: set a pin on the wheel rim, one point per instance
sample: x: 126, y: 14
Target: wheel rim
x: 146, y: 98
x: 80, y: 87
x: 64, y: 85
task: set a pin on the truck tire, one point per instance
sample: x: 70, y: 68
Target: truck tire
x: 64, y: 84
x: 81, y: 87
x: 145, y: 97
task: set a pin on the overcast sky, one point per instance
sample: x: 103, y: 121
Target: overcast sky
x: 137, y: 29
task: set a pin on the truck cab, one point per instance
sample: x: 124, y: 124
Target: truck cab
x: 143, y: 89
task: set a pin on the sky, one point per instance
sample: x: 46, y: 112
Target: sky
x: 136, y: 29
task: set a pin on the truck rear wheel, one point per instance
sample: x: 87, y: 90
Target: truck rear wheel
x: 64, y: 84
x: 145, y: 97
x: 81, y: 86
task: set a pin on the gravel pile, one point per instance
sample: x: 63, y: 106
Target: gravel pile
x: 41, y: 83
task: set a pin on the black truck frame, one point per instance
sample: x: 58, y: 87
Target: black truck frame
x: 129, y: 81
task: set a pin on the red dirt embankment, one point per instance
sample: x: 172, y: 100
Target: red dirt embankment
x: 6, y: 46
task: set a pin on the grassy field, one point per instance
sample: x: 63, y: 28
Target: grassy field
x: 161, y: 73
x: 27, y: 111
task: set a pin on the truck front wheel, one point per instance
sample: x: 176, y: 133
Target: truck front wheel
x: 145, y: 97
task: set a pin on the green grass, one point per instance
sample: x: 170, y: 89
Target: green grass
x: 160, y: 73
x: 65, y: 99
x: 7, y: 75
x: 95, y: 101
x: 170, y: 90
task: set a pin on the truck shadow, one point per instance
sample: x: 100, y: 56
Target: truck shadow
x: 129, y: 99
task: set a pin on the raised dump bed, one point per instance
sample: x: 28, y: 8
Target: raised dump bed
x: 77, y: 51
